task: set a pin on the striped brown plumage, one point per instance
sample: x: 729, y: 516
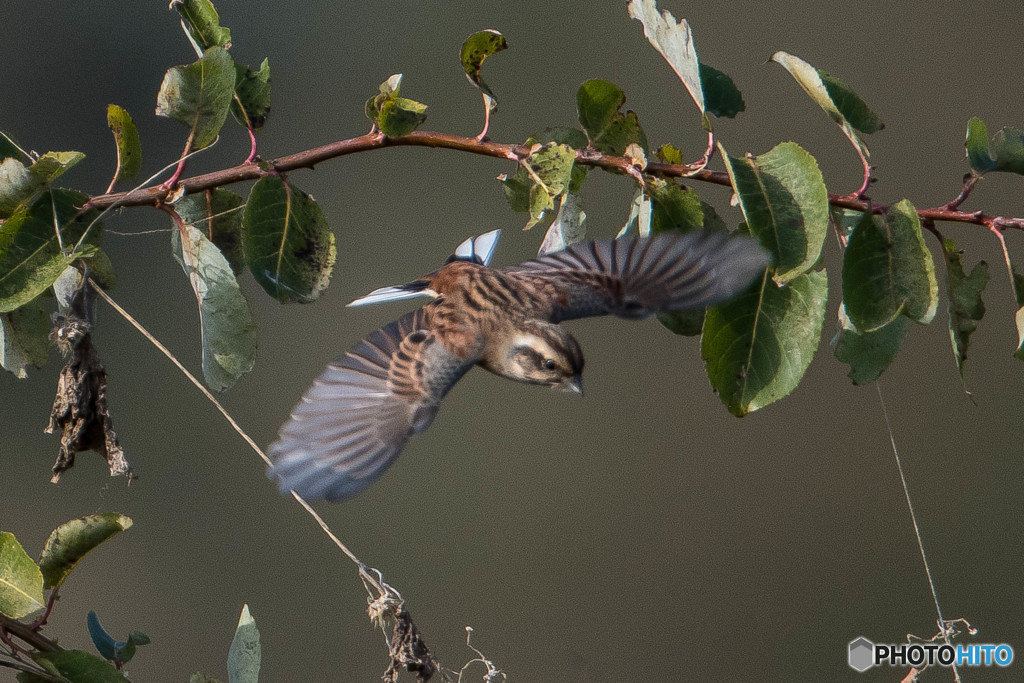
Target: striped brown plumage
x: 355, y: 419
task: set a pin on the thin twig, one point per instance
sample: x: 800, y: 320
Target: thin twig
x: 587, y: 157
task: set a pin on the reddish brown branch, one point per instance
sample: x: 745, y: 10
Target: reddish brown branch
x: 588, y: 157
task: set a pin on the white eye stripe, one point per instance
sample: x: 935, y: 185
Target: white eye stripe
x: 535, y: 343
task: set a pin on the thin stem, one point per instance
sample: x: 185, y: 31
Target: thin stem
x: 482, y: 135
x: 917, y: 529
x: 863, y: 189
x: 970, y: 180
x: 587, y: 157
x: 50, y: 602
x: 252, y: 145
x: 364, y: 572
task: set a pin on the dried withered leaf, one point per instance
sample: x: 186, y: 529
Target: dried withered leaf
x: 409, y: 651
x: 80, y: 407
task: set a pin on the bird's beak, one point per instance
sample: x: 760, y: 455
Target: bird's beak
x: 573, y: 384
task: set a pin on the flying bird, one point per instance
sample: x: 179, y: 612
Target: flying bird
x: 359, y: 414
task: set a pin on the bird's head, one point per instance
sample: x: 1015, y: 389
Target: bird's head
x: 544, y: 353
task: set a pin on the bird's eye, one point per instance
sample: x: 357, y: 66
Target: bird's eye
x: 549, y: 364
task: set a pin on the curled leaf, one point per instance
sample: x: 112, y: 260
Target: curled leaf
x: 126, y: 137
x: 203, y: 24
x: 395, y: 116
x: 966, y: 308
x: 1005, y: 153
x: 842, y: 105
x: 73, y: 540
x: 674, y: 42
x: 475, y: 50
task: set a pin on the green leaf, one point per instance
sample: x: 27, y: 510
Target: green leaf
x: 203, y: 24
x: 8, y: 147
x: 228, y: 331
x: 20, y: 186
x: 21, y: 583
x: 785, y: 204
x: 674, y: 208
x: 568, y: 226
x: 73, y: 540
x: 758, y: 345
x: 244, y: 653
x: 102, y: 640
x: 965, y: 305
x: 845, y: 220
x: 218, y: 215
x: 1008, y: 146
x: 1006, y: 153
x: 685, y: 324
x: 251, y: 102
x: 550, y: 168
x: 721, y: 96
x: 475, y: 50
x: 395, y: 116
x: 674, y: 42
x: 101, y: 269
x: 517, y: 190
x: 198, y: 96
x: 30, y: 249
x: 597, y: 103
x: 867, y: 353
x: 288, y: 245
x: 79, y: 667
x: 977, y: 146
x: 610, y: 131
x: 573, y: 137
x: 888, y: 270
x: 400, y: 116
x: 24, y: 339
x: 126, y: 137
x: 669, y: 154
x: 842, y: 105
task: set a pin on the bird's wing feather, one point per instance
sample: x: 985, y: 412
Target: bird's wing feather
x: 633, y: 277
x: 355, y: 419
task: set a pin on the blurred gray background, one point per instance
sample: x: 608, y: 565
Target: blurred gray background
x: 641, y: 533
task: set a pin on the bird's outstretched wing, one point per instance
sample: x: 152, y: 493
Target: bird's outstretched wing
x: 352, y: 423
x: 633, y: 277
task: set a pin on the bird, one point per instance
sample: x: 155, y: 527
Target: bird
x: 351, y: 424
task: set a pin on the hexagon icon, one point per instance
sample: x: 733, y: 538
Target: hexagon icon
x: 862, y: 653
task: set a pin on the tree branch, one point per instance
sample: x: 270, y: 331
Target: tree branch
x: 514, y: 152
